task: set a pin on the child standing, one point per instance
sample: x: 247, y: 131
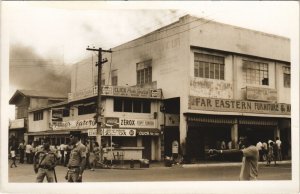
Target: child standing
x: 13, y: 156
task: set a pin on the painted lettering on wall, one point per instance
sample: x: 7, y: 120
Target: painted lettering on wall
x: 135, y: 92
x: 213, y: 104
x: 74, y: 124
x: 262, y: 94
x: 210, y: 88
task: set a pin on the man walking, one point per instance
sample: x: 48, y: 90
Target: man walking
x: 44, y: 164
x: 22, y: 151
x: 77, y: 159
x: 249, y: 169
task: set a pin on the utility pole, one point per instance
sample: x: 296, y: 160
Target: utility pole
x: 99, y: 108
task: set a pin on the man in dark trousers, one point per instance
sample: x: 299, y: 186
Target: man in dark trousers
x: 249, y: 169
x: 22, y: 151
x: 44, y: 163
x: 77, y: 161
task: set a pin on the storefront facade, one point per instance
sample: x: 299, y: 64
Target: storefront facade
x: 129, y: 121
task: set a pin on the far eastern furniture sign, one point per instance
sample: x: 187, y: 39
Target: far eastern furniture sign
x: 120, y: 91
x: 261, y: 94
x: 224, y: 105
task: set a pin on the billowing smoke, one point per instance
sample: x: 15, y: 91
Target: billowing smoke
x: 28, y: 70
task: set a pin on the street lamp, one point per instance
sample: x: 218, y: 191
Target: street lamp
x: 111, y: 125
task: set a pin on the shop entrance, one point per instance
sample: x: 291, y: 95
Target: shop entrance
x: 170, y: 134
x: 147, y: 148
x: 261, y: 133
x: 203, y: 137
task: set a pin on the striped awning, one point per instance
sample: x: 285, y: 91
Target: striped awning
x: 258, y: 121
x: 210, y: 119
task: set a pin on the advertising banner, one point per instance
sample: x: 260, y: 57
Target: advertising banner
x: 74, y: 124
x: 118, y: 132
x: 137, y: 123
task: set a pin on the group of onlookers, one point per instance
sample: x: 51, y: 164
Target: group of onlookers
x: 270, y: 150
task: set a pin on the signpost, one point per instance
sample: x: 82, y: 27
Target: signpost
x: 111, y: 125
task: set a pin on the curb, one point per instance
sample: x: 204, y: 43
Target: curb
x: 226, y: 164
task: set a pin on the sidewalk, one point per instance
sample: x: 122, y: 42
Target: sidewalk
x: 161, y: 164
x: 199, y: 165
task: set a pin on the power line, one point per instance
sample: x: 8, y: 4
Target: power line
x: 207, y: 21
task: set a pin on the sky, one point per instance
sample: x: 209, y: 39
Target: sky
x: 46, y: 38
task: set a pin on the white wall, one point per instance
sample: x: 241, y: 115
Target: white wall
x: 41, y: 125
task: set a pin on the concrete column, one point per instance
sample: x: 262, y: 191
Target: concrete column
x: 183, y: 134
x: 276, y: 132
x: 234, y: 134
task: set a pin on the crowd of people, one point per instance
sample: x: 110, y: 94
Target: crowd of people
x: 270, y: 150
x: 27, y: 151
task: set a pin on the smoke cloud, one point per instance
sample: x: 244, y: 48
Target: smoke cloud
x: 28, y: 70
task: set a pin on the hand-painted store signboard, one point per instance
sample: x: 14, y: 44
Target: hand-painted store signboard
x: 137, y: 123
x: 210, y: 89
x: 118, y: 132
x: 223, y: 105
x: 134, y: 92
x: 262, y: 94
x: 74, y: 124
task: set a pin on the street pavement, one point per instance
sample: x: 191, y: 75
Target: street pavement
x: 158, y: 172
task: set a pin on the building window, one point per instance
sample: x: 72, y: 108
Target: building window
x: 86, y: 109
x: 144, y: 72
x: 38, y: 116
x: 256, y: 73
x: 114, y: 78
x: 209, y: 66
x: 287, y: 77
x: 132, y: 105
x: 66, y: 112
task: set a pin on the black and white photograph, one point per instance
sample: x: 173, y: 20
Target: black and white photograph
x: 149, y: 97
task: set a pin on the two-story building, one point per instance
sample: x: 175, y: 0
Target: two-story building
x: 129, y: 114
x: 196, y: 81
x: 218, y: 79
x: 24, y: 101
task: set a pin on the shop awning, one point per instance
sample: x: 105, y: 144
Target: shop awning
x: 258, y: 121
x: 210, y: 119
x: 54, y: 132
x: 147, y: 132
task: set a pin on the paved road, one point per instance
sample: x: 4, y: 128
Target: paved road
x: 24, y: 173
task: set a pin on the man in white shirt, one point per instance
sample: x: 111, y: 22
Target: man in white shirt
x: 278, y: 143
x: 28, y: 151
x: 259, y: 146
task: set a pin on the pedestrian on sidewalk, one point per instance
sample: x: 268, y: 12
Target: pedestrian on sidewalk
x: 21, y: 149
x: 94, y: 155
x: 249, y: 169
x: 278, y: 143
x: 77, y: 160
x: 13, y: 156
x: 28, y: 150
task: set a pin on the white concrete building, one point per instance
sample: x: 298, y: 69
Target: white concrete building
x: 216, y: 80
